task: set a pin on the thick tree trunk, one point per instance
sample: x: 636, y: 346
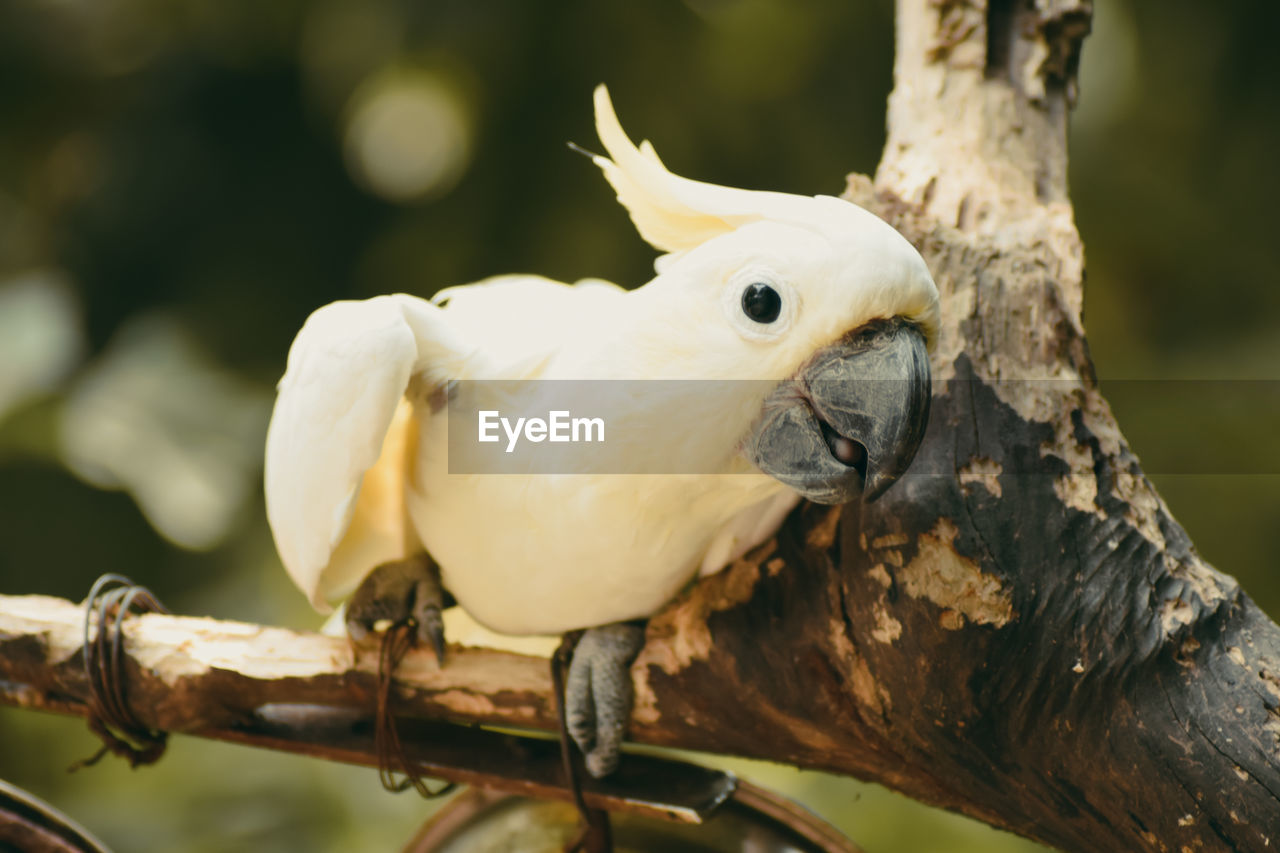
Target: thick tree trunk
x: 1018, y: 630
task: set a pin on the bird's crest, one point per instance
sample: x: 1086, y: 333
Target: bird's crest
x: 677, y: 214
x: 674, y: 213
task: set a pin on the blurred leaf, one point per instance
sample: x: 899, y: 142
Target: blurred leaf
x: 40, y: 336
x: 155, y: 417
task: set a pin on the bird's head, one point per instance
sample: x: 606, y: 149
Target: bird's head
x: 817, y: 296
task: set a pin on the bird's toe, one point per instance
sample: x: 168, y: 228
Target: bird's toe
x: 598, y: 693
x: 405, y: 591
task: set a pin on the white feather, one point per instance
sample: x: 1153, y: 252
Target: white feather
x: 347, y: 372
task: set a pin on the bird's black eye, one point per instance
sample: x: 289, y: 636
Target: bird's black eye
x: 761, y: 302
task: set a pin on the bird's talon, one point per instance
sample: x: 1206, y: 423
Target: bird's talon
x: 598, y: 693
x: 582, y: 726
x: 601, y: 763
x: 402, y: 592
x: 431, y: 631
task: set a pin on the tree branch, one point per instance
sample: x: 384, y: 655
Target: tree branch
x: 188, y: 674
x: 312, y: 694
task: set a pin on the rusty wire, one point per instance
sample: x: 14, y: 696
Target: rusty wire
x: 396, y: 642
x: 596, y: 832
x: 110, y: 717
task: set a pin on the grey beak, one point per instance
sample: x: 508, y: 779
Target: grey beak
x: 850, y: 422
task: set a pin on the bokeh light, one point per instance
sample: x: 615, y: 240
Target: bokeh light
x: 41, y: 339
x: 408, y: 137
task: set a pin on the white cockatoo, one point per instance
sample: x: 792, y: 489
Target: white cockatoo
x: 823, y: 307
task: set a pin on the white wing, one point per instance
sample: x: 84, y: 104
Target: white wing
x: 521, y: 322
x: 334, y: 491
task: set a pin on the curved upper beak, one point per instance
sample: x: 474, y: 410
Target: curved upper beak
x: 849, y: 423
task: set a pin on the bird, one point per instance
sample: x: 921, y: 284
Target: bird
x: 779, y: 353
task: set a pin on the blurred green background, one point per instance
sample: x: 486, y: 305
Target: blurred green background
x: 183, y: 181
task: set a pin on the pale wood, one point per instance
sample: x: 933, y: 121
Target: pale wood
x: 192, y: 673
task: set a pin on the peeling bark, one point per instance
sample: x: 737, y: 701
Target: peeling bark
x: 1019, y: 630
x: 189, y: 674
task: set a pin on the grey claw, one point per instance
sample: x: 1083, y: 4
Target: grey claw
x: 601, y: 763
x: 431, y: 630
x: 398, y: 592
x: 580, y: 710
x: 598, y: 693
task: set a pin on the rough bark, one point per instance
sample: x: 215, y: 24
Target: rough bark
x: 188, y: 674
x: 312, y: 694
x: 1019, y: 630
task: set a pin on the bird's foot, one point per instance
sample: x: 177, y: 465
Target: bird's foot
x: 400, y: 592
x: 598, y: 692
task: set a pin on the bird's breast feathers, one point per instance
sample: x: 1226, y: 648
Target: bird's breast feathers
x: 545, y: 553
